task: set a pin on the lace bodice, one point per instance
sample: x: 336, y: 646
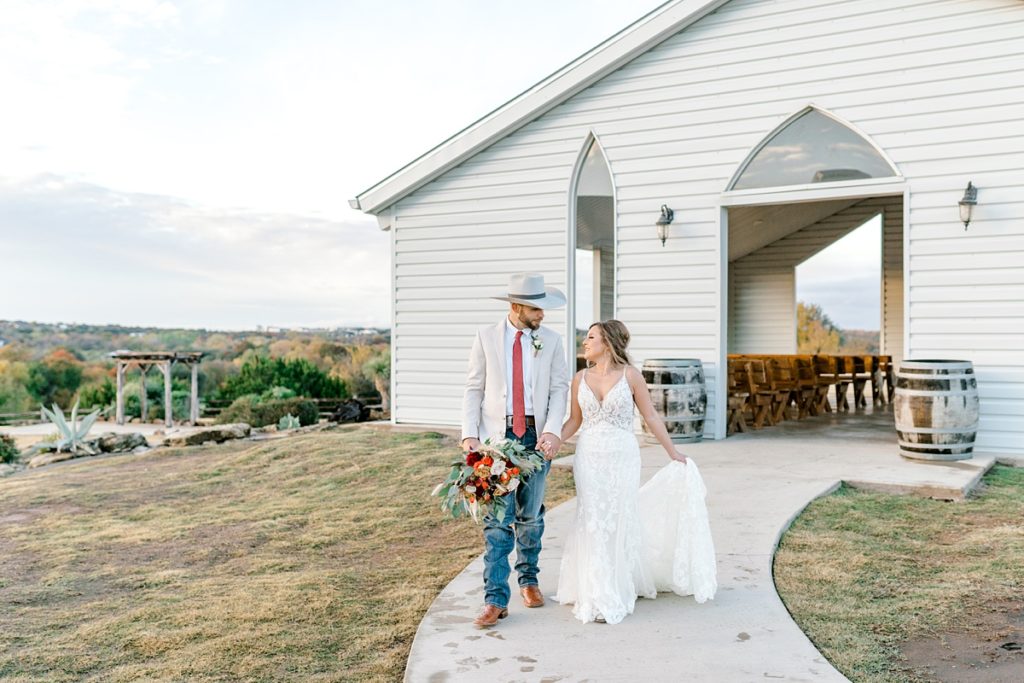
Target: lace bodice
x: 616, y: 410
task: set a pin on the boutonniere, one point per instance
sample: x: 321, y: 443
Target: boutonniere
x: 537, y: 344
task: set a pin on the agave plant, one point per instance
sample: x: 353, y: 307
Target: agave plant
x: 289, y: 421
x: 71, y: 434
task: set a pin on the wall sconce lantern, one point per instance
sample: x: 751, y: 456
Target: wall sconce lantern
x: 664, y: 220
x: 967, y: 204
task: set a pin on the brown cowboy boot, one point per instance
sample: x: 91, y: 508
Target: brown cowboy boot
x: 489, y: 616
x: 532, y: 596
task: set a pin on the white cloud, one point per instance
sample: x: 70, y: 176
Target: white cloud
x: 845, y: 278
x: 79, y: 252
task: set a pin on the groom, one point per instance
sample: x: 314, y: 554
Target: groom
x: 517, y: 387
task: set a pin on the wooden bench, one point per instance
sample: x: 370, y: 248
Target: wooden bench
x: 754, y: 407
x: 885, y: 375
x: 737, y: 396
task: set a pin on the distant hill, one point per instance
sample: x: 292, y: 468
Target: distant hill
x: 94, y: 342
x: 858, y: 341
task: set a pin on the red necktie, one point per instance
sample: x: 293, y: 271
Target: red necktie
x: 518, y: 400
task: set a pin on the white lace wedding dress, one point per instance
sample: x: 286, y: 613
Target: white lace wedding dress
x: 630, y: 541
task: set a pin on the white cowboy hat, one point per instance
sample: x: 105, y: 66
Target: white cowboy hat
x: 529, y: 289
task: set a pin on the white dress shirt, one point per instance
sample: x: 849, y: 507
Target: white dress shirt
x: 527, y: 343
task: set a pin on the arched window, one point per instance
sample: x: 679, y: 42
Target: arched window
x: 595, y: 239
x: 812, y: 148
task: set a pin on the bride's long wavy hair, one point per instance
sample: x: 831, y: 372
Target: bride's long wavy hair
x: 616, y: 337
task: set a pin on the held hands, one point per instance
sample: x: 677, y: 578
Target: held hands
x: 548, y: 444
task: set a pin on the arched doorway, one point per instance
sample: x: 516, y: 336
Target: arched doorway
x: 592, y: 242
x: 810, y: 182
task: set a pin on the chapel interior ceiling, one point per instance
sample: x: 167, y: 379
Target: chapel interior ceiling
x: 754, y: 227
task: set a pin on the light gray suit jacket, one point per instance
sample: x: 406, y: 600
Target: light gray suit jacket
x: 484, y: 401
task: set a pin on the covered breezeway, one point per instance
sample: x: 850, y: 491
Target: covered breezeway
x: 811, y: 182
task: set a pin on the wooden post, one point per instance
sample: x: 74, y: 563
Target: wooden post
x: 194, y: 402
x: 165, y: 367
x: 143, y: 403
x: 120, y: 393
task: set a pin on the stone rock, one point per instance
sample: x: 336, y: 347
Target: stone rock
x: 119, y: 443
x: 6, y: 470
x: 216, y: 434
x: 49, y: 458
x: 352, y: 410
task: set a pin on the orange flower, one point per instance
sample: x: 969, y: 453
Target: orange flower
x: 487, y: 460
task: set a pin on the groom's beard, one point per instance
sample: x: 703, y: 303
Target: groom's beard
x: 532, y: 324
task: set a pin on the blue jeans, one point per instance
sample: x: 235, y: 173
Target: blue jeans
x: 526, y: 514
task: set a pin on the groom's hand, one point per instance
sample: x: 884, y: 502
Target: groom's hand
x: 548, y: 444
x: 470, y: 444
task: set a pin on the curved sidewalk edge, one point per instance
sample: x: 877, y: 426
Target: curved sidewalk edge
x: 756, y: 487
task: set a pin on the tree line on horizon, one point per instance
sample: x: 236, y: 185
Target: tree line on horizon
x: 41, y: 364
x: 817, y: 333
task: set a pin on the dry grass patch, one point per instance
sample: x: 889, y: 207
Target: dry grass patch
x: 306, y: 559
x: 863, y: 573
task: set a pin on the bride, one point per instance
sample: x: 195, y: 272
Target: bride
x: 627, y: 541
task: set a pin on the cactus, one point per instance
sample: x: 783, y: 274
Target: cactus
x: 289, y: 421
x: 71, y: 435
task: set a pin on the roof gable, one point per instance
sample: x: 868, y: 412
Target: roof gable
x: 584, y: 71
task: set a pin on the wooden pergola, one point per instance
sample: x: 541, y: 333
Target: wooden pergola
x: 163, y: 360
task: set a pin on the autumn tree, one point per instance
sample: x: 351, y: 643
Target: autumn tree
x: 815, y: 331
x: 14, y: 397
x: 56, y: 378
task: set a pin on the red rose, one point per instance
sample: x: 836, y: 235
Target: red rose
x: 473, y: 458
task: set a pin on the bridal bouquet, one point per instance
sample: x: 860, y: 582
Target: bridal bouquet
x: 481, y: 482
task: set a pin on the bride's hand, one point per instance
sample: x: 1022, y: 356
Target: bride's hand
x: 678, y: 456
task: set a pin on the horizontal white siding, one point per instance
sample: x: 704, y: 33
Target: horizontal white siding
x: 937, y: 85
x: 762, y: 314
x: 891, y: 339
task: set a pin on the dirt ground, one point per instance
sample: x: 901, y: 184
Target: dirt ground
x: 988, y: 649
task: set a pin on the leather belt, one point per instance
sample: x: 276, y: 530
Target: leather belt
x: 530, y: 421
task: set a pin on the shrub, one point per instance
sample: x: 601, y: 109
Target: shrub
x: 99, y: 395
x: 8, y: 451
x: 252, y: 411
x: 181, y: 401
x: 277, y: 393
x: 259, y: 374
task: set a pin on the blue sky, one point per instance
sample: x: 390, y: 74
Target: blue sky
x: 189, y: 163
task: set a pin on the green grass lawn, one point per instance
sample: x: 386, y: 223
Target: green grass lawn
x: 311, y: 558
x: 863, y: 573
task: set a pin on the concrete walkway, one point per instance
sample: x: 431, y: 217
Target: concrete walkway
x: 757, y: 484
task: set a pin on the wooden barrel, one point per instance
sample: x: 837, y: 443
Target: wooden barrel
x: 936, y: 409
x: 679, y: 396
